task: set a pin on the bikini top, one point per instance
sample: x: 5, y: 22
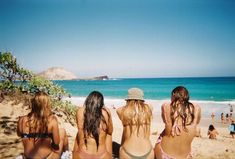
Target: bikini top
x: 41, y: 135
x: 37, y: 135
x: 176, y: 129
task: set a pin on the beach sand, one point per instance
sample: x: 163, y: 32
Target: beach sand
x: 202, y: 147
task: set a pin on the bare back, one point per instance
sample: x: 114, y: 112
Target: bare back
x: 38, y: 147
x: 176, y: 140
x: 136, y: 132
x: 105, y: 133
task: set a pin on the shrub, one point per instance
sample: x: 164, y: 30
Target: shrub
x: 15, y: 78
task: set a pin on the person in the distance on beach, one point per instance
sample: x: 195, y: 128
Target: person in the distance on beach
x: 227, y: 119
x: 222, y: 118
x: 232, y: 128
x: 95, y: 127
x: 212, y: 116
x: 181, y: 118
x: 212, y: 132
x: 136, y: 118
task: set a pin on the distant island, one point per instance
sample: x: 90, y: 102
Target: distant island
x: 96, y: 78
x: 59, y: 73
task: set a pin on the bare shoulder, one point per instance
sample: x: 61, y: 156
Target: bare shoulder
x: 149, y: 106
x: 106, y: 111
x: 197, y: 111
x: 166, y: 106
x: 197, y: 107
x: 53, y: 119
x: 21, y: 120
x: 22, y: 117
x: 20, y: 124
x: 80, y: 111
x: 120, y: 110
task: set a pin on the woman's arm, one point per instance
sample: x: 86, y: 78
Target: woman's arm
x: 119, y: 113
x: 197, y: 114
x: 79, y: 118
x: 110, y: 122
x: 55, y: 133
x: 109, y: 141
x: 19, y: 126
x: 166, y: 119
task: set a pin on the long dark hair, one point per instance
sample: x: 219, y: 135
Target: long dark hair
x: 93, y: 116
x: 181, y: 107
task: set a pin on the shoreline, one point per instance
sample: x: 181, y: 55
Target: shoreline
x: 207, y: 107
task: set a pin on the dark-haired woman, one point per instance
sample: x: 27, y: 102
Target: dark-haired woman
x: 39, y: 131
x: 181, y: 118
x: 212, y: 132
x: 94, y: 137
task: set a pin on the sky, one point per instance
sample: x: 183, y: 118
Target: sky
x: 122, y: 38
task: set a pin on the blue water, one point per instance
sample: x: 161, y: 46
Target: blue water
x: 206, y: 89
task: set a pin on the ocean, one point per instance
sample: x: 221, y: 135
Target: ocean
x: 213, y: 93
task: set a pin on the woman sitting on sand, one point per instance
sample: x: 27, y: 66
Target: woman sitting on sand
x: 39, y: 131
x: 212, y: 132
x: 181, y: 118
x: 94, y: 137
x: 136, y: 119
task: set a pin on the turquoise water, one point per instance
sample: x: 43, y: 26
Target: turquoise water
x: 206, y: 89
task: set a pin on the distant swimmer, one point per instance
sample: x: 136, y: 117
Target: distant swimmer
x: 212, y: 116
x: 231, y: 110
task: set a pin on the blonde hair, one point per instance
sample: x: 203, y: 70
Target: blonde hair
x: 137, y: 113
x: 40, y: 111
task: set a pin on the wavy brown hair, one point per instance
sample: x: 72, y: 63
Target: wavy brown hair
x: 93, y: 116
x: 40, y: 112
x: 181, y: 107
x: 137, y: 113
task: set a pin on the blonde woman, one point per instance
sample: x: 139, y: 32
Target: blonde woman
x: 39, y: 131
x: 95, y: 127
x: 136, y: 119
x: 181, y: 118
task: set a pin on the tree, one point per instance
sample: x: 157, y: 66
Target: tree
x: 14, y: 77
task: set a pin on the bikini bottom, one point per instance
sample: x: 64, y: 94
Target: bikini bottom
x: 50, y: 155
x: 165, y: 155
x: 137, y: 157
x: 85, y: 155
x: 25, y: 157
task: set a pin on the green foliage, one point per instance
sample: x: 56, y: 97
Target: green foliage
x: 13, y: 77
x: 40, y: 84
x: 67, y: 106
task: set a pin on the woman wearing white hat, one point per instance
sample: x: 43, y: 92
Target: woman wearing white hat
x: 136, y: 119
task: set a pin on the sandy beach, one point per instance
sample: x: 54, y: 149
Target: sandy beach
x: 202, y: 147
